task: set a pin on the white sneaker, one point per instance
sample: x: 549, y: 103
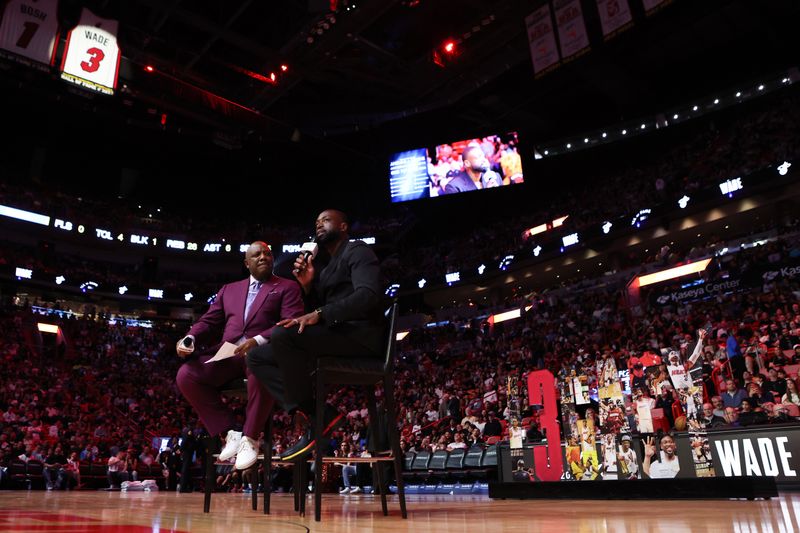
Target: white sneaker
x: 232, y: 442
x: 345, y: 490
x: 247, y: 454
x: 355, y: 490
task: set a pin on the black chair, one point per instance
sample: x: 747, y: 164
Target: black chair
x: 488, y: 464
x: 419, y: 466
x: 211, y: 449
x: 472, y: 463
x: 366, y: 372
x: 35, y: 473
x: 436, y: 468
x: 18, y: 472
x: 409, y: 459
x: 455, y: 461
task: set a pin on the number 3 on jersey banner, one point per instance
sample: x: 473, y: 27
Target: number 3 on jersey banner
x: 92, y: 56
x: 546, y: 459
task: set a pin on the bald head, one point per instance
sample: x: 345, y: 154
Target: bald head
x: 258, y: 260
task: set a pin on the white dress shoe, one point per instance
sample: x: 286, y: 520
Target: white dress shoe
x: 355, y: 490
x: 345, y: 490
x: 232, y: 442
x: 247, y: 455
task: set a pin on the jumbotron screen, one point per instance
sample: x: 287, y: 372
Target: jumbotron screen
x: 456, y: 167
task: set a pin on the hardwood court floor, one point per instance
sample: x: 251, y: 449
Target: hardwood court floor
x: 140, y: 512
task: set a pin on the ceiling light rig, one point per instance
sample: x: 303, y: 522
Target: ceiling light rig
x: 450, y: 49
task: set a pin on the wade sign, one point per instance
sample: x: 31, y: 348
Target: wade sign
x: 771, y: 452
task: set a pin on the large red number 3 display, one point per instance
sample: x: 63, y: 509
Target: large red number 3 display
x: 95, y: 57
x: 542, y: 391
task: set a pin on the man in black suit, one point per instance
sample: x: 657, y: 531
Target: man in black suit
x: 476, y: 174
x: 342, y: 292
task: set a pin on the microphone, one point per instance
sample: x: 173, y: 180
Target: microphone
x: 187, y: 342
x: 308, y: 249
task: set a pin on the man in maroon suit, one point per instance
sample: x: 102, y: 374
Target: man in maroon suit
x: 245, y: 312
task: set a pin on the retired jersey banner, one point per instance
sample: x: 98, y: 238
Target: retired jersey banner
x: 91, y: 59
x: 30, y: 29
x: 571, y: 28
x: 542, y: 39
x: 615, y: 16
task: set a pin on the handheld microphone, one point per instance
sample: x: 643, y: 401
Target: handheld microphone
x: 187, y: 342
x: 309, y: 249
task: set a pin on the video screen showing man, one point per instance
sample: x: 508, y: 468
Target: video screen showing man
x: 475, y: 164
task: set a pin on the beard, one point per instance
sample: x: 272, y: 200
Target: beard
x: 328, y: 236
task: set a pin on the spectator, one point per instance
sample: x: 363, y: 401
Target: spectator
x: 733, y: 396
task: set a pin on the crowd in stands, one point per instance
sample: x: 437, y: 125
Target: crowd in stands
x: 110, y: 390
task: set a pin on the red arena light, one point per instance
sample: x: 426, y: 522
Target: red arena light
x: 149, y: 68
x: 449, y: 47
x: 284, y: 68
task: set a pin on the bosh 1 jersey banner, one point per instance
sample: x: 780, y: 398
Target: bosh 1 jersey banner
x: 30, y: 29
x: 92, y: 56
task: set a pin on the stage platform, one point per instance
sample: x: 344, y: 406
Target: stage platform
x: 91, y: 511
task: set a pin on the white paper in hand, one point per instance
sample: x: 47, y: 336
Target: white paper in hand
x: 225, y: 351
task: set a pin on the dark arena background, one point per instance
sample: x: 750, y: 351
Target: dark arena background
x: 609, y: 340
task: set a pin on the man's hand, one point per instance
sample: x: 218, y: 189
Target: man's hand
x: 649, y: 447
x: 303, y: 270
x: 306, y: 320
x: 245, y: 347
x: 702, y: 334
x: 182, y: 350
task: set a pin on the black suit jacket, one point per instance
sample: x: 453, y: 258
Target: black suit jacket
x: 349, y: 291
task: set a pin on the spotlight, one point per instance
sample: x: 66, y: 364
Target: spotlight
x: 694, y: 108
x: 149, y: 68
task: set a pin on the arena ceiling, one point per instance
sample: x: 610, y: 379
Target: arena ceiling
x: 370, y: 65
x: 359, y: 88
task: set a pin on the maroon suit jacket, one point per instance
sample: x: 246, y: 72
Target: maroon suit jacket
x: 278, y: 298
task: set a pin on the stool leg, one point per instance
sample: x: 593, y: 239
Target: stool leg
x: 254, y: 487
x: 394, y: 440
x: 374, y: 432
x: 302, y: 466
x: 318, y: 450
x: 296, y: 482
x: 209, y: 484
x: 267, y: 482
x: 378, y: 466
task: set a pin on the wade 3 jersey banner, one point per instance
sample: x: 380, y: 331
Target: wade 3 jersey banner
x: 91, y: 59
x: 30, y: 29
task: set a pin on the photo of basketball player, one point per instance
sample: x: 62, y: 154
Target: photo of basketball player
x: 660, y: 457
x: 589, y: 461
x: 608, y: 450
x: 627, y: 463
x: 701, y: 455
x: 573, y: 457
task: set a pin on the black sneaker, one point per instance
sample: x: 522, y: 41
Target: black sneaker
x: 303, y: 447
